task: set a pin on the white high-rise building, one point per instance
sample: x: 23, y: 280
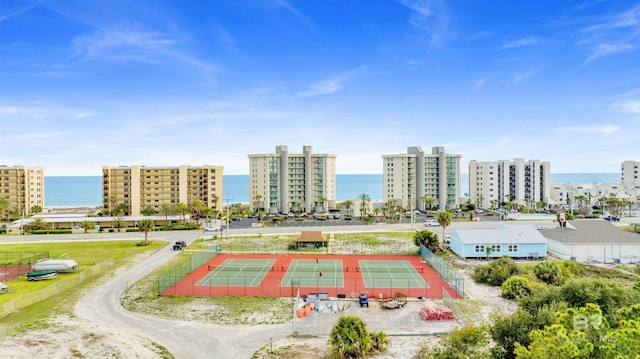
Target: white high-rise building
x: 629, y: 173
x: 520, y: 181
x: 284, y: 182
x: 419, y: 180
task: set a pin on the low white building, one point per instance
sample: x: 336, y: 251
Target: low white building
x: 593, y: 240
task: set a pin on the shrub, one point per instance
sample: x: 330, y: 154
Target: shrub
x: 497, y: 272
x: 350, y: 338
x: 427, y: 238
x: 549, y: 272
x: 516, y: 287
x: 467, y: 342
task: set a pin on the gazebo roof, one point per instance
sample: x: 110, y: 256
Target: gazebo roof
x: 311, y: 236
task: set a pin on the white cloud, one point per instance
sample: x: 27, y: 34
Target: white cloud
x: 6, y: 111
x: 325, y: 87
x: 480, y: 83
x: 632, y: 107
x: 520, y: 43
x: 130, y: 43
x: 519, y: 76
x: 429, y: 16
x: 601, y: 50
x: 606, y: 129
x: 613, y: 34
x: 332, y: 84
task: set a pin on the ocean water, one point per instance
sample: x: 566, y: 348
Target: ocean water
x: 69, y: 191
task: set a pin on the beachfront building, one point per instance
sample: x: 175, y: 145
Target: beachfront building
x: 629, y: 173
x: 524, y: 182
x: 23, y: 187
x: 139, y: 187
x: 284, y: 182
x: 581, y: 197
x: 418, y: 180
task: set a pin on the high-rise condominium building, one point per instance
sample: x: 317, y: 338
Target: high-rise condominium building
x: 23, y: 186
x: 140, y: 187
x: 419, y: 180
x: 524, y: 182
x: 629, y: 174
x: 284, y: 182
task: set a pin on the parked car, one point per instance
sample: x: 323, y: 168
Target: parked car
x: 431, y: 223
x: 179, y: 245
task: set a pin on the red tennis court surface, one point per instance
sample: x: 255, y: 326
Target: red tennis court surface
x: 270, y: 281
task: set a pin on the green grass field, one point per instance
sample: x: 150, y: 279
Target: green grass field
x: 86, y: 254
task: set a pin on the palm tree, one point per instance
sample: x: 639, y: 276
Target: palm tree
x: 256, y: 202
x: 444, y: 219
x: 424, y: 202
x: 165, y: 210
x: 182, y: 209
x: 430, y: 202
x: 4, y: 207
x: 113, y: 200
x: 364, y: 201
x: 118, y: 222
x: 146, y: 225
x: 148, y: 211
x: 323, y: 200
x: 87, y: 225
x: 348, y: 204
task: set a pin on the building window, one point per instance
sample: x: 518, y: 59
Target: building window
x: 479, y: 249
x: 496, y: 248
x: 513, y: 248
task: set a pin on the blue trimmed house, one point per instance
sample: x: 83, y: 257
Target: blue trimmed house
x: 516, y: 241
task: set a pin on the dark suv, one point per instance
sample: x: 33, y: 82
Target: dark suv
x: 179, y: 245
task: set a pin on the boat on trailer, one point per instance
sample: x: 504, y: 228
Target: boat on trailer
x: 41, y: 275
x: 62, y: 265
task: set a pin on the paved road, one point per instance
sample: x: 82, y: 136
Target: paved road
x: 182, y: 339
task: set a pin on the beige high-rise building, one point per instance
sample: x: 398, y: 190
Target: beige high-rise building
x: 284, y: 182
x: 629, y: 173
x: 23, y: 186
x: 419, y: 180
x: 517, y: 181
x: 139, y: 186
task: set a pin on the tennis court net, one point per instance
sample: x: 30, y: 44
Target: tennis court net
x: 385, y: 269
x: 237, y: 268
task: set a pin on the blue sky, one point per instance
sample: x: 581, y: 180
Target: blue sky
x: 162, y: 83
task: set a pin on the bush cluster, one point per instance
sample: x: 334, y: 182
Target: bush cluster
x: 497, y: 272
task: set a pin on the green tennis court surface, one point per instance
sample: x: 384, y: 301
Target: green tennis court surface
x: 384, y: 273
x: 306, y: 273
x: 238, y: 272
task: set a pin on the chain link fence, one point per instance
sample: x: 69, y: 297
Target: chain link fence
x: 183, y: 268
x: 443, y: 269
x: 23, y: 301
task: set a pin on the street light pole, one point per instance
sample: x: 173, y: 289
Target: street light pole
x: 227, y: 198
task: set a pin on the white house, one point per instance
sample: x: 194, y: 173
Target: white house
x: 593, y: 240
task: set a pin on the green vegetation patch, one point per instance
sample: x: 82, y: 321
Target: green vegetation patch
x: 86, y: 254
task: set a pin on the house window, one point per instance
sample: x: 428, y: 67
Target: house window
x: 496, y: 248
x: 513, y: 248
x: 479, y: 249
